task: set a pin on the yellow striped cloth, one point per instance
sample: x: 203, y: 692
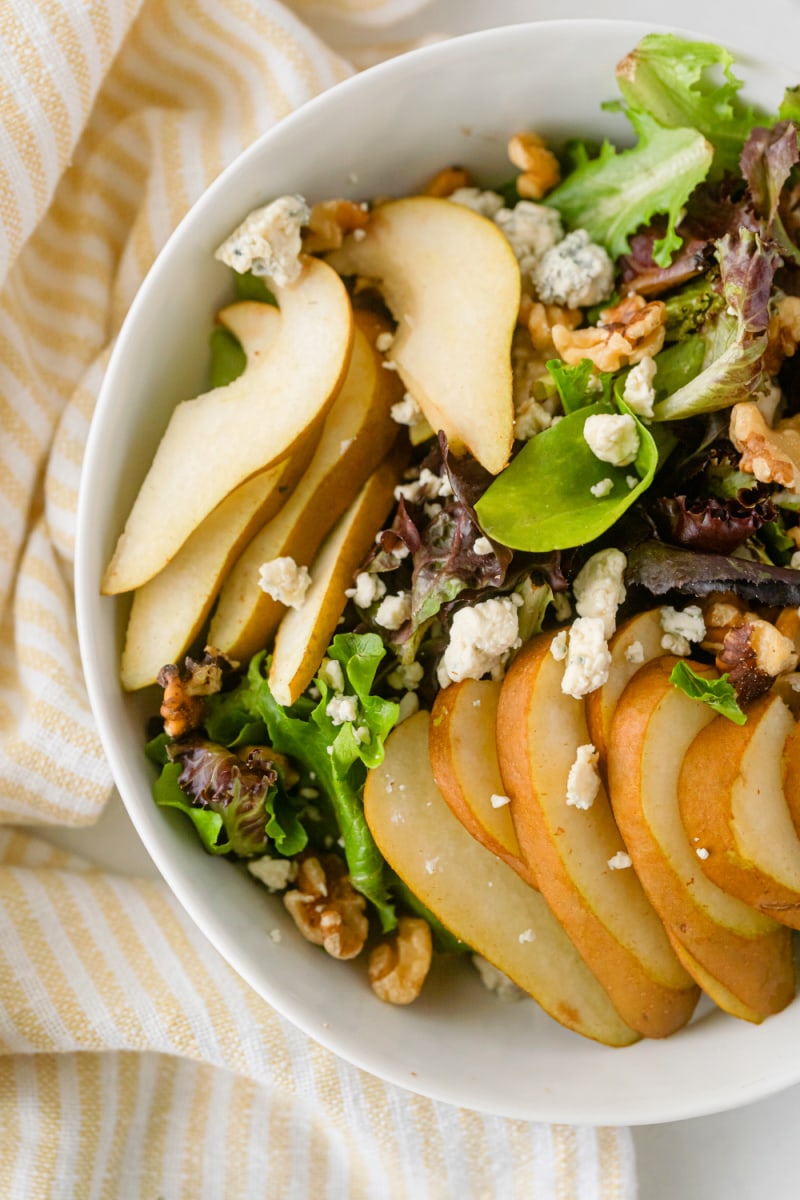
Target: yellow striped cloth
x: 136, y: 1063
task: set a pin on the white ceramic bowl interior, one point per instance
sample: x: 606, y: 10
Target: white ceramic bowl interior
x: 385, y: 131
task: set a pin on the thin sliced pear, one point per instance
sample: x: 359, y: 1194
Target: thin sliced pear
x: 475, y: 895
x: 218, y: 440
x: 604, y: 911
x: 432, y: 261
x: 644, y: 628
x: 463, y: 752
x: 357, y: 434
x: 168, y: 611
x: 723, y: 998
x: 742, y: 950
x: 305, y: 633
x: 733, y: 806
x: 791, y: 776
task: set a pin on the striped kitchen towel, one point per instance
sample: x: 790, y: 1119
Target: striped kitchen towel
x: 136, y: 1063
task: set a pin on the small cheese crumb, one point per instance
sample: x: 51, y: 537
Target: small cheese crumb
x: 408, y: 706
x: 583, y: 781
x: 632, y: 481
x: 634, y: 654
x: 499, y: 801
x: 268, y: 241
x: 527, y: 935
x: 274, y: 873
x: 406, y: 411
x: 558, y: 646
x: 639, y: 393
x: 309, y: 793
x: 284, y: 581
x: 612, y: 437
x: 701, y: 852
x: 602, y: 488
x: 494, y: 980
x: 331, y: 673
x: 276, y: 935
x: 394, y: 611
x: 561, y: 606
x: 358, y: 235
x: 620, y: 861
x: 483, y: 546
x: 588, y: 658
x: 342, y: 708
x: 369, y: 588
x: 481, y: 639
x: 599, y: 588
x: 406, y: 678
x: 383, y: 342
x: 681, y: 628
x: 361, y: 734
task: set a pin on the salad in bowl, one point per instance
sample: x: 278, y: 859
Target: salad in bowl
x: 477, y: 634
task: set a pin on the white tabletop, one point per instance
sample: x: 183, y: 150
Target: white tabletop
x: 748, y: 1154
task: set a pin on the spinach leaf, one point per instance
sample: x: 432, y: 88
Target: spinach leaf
x: 718, y: 694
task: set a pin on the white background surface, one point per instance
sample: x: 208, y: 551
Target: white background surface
x: 749, y: 1154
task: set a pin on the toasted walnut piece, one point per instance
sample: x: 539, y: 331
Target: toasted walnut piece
x: 783, y: 333
x: 183, y: 705
x: 788, y: 623
x: 325, y: 906
x: 771, y: 455
x: 447, y: 181
x: 330, y: 220
x: 755, y: 653
x: 542, y: 318
x: 627, y: 333
x: 539, y: 166
x: 398, y: 967
x: 721, y: 611
x: 775, y: 653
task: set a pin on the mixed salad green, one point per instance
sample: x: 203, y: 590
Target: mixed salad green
x: 702, y: 215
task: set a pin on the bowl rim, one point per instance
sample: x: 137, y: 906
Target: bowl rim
x: 715, y: 1100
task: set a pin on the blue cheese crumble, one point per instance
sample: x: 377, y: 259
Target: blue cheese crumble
x: 268, y: 241
x: 575, y: 272
x: 612, y: 437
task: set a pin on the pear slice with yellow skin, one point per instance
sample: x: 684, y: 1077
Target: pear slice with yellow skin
x: 358, y: 433
x: 305, y: 633
x: 453, y: 284
x: 475, y: 895
x: 645, y: 629
x: 221, y: 438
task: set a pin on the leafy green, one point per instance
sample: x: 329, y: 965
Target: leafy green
x: 536, y: 599
x: 167, y: 793
x: 677, y: 83
x: 543, y: 500
x: 689, y: 308
x: 718, y: 694
x: 443, y: 940
x: 572, y: 383
x: 790, y: 106
x: 334, y: 754
x: 248, y: 286
x: 228, y: 359
x: 615, y: 193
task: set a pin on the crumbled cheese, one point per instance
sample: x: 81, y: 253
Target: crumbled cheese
x: 482, y: 546
x: 485, y: 203
x: 602, y: 488
x: 531, y: 229
x: 388, y: 365
x: 561, y: 606
x: 612, y: 437
x: 620, y: 861
x: 588, y: 658
x: 531, y: 418
x: 309, y: 793
x: 284, y: 581
x: 268, y: 241
x: 497, y: 801
x: 342, y: 708
x: 575, y: 272
x: 394, y: 611
x: 358, y: 235
x: 369, y: 588
x: 634, y: 654
x: 427, y: 487
x: 632, y: 481
x: 481, y: 639
x: 406, y: 411
x: 274, y: 873
x: 558, y: 646
x: 361, y: 735
x: 276, y: 935
x: 409, y: 704
x: 701, y: 853
x: 331, y: 673
x: 406, y: 677
x: 383, y: 342
x: 794, y: 561
x: 599, y: 589
x: 583, y: 782
x: 639, y: 393
x: 527, y: 935
x: 527, y: 367
x: 495, y: 981
x: 681, y: 628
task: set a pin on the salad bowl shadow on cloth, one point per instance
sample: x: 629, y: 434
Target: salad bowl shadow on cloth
x: 383, y: 133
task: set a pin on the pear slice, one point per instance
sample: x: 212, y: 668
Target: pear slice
x: 605, y: 911
x: 743, y: 958
x: 358, y: 432
x: 475, y: 895
x: 644, y: 628
x: 463, y: 755
x: 305, y: 633
x: 733, y: 806
x: 453, y: 284
x: 218, y: 440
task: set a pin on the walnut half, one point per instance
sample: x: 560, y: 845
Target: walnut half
x: 325, y: 906
x: 183, y: 705
x: 626, y: 333
x: 398, y: 967
x: 771, y: 455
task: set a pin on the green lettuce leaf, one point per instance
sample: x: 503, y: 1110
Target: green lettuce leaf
x: 718, y: 694
x: 228, y: 359
x: 572, y: 383
x: 683, y: 84
x: 614, y: 194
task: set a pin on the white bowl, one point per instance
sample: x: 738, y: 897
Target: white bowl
x: 385, y: 131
